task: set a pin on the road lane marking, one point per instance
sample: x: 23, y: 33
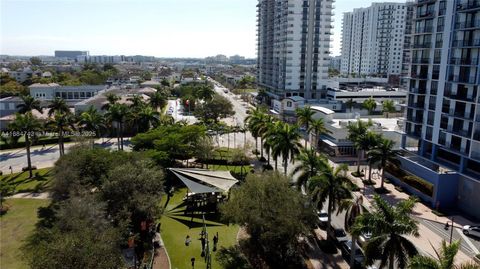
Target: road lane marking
x: 446, y: 235
x: 466, y: 239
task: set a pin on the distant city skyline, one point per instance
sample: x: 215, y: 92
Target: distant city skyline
x: 167, y: 28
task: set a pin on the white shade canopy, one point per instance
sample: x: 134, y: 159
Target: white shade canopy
x: 205, y: 181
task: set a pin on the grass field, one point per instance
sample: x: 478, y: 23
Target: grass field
x: 176, y: 226
x: 39, y: 183
x: 15, y: 226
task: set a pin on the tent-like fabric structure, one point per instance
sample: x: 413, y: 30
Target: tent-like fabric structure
x: 205, y: 181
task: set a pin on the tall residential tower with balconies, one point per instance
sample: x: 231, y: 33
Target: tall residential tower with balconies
x: 373, y: 38
x: 293, y: 47
x: 443, y: 108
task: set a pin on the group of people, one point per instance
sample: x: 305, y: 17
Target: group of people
x: 203, y: 241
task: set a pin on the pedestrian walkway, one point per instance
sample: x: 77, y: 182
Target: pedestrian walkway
x: 428, y: 240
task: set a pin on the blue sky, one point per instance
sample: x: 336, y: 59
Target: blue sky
x: 163, y: 28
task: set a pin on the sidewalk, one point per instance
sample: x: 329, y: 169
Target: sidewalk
x: 427, y: 238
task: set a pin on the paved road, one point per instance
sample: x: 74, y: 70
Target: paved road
x: 469, y: 244
x: 44, y: 157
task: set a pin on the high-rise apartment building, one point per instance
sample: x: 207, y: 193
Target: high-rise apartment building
x: 443, y: 108
x: 372, y: 39
x: 293, y: 47
x: 70, y: 54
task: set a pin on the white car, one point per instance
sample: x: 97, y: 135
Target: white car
x: 322, y: 217
x: 471, y: 230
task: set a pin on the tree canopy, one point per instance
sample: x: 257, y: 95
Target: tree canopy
x: 273, y: 214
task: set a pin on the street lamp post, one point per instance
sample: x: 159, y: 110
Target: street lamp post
x: 451, y: 230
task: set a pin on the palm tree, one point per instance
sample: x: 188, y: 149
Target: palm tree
x: 136, y: 102
x: 389, y: 225
x: 366, y: 142
x: 309, y: 164
x: 265, y: 125
x: 26, y: 124
x: 317, y: 127
x: 383, y: 155
x: 350, y: 104
x: 253, y: 122
x: 285, y: 142
x: 147, y: 117
x: 158, y: 100
x: 370, y: 105
x: 205, y: 92
x: 58, y: 105
x: 332, y: 184
x: 355, y: 132
x: 117, y: 114
x: 446, y: 259
x: 62, y: 122
x: 354, y: 208
x: 92, y: 120
x: 305, y: 118
x: 388, y: 107
x: 29, y: 104
x: 111, y: 99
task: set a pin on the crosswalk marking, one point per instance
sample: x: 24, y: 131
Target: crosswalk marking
x: 472, y: 246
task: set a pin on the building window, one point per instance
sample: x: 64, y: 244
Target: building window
x: 289, y: 104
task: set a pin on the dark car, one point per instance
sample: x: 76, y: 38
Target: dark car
x: 359, y: 258
x: 337, y: 234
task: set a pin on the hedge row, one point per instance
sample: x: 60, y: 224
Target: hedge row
x: 418, y: 183
x: 43, y: 141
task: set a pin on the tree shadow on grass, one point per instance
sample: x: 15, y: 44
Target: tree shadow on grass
x: 195, y: 223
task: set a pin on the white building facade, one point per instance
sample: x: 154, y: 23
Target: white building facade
x: 443, y: 108
x: 372, y: 40
x: 293, y: 47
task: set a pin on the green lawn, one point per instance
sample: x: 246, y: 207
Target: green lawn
x: 175, y: 227
x: 42, y: 178
x: 234, y: 168
x: 15, y: 226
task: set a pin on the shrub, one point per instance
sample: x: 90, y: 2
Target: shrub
x: 368, y: 182
x: 381, y: 190
x: 267, y: 167
x: 24, y: 169
x: 358, y: 174
x: 419, y: 184
x: 1, y: 173
x: 262, y: 159
x: 438, y: 213
x: 416, y: 182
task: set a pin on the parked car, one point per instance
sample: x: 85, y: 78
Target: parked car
x: 337, y: 234
x: 363, y: 238
x: 322, y: 217
x: 471, y: 230
x: 359, y: 258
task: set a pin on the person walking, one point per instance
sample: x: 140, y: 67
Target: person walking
x: 215, y: 242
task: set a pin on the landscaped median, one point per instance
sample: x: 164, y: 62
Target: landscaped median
x: 175, y: 226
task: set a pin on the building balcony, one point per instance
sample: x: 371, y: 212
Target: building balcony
x: 466, y: 43
x: 460, y: 132
x: 420, y: 76
x: 417, y: 120
x: 467, y: 25
x: 464, y: 61
x: 468, y: 5
x: 423, y: 30
x: 415, y: 133
x: 457, y: 96
x: 425, y: 15
x: 416, y: 105
x: 418, y: 91
x: 476, y: 135
x: 424, y: 45
x: 462, y: 79
x: 421, y: 61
